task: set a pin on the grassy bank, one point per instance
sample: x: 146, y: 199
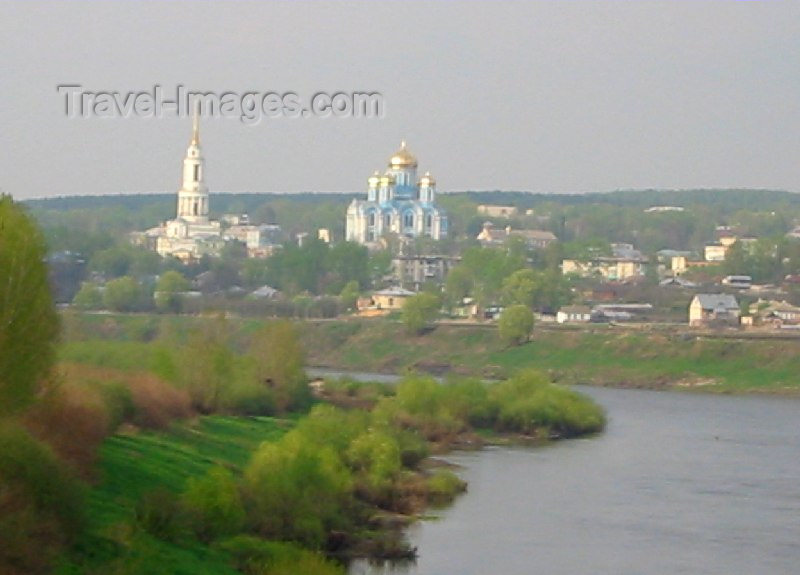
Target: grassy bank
x: 602, y: 356
x: 138, y: 466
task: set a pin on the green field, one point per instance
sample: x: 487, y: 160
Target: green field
x: 131, y: 466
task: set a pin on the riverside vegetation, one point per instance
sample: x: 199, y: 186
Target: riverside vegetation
x: 192, y: 447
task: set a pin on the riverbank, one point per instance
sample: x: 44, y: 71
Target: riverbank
x: 601, y: 356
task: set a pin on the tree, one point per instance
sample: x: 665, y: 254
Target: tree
x: 349, y: 295
x: 515, y: 324
x: 168, y: 290
x: 280, y: 360
x: 88, y: 297
x: 209, y: 365
x: 29, y: 324
x: 419, y: 311
x: 124, y: 294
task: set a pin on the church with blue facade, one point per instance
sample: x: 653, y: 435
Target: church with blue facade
x: 397, y: 203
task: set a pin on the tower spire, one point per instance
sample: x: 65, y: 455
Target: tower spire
x: 196, y: 124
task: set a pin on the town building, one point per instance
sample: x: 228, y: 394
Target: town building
x: 497, y: 211
x: 398, y: 203
x: 713, y: 309
x: 412, y: 271
x: 491, y: 236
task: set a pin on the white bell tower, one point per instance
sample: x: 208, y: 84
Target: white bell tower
x: 193, y: 195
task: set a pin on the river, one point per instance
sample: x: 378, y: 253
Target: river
x: 678, y: 483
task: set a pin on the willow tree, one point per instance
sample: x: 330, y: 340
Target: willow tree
x: 28, y: 321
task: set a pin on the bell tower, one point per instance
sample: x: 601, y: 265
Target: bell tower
x: 193, y: 195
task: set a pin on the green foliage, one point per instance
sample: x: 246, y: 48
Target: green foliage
x: 28, y: 322
x: 527, y: 403
x: 317, y: 267
x: 279, y: 364
x: 208, y: 366
x: 349, y: 295
x: 40, y: 503
x: 213, y: 504
x: 443, y: 486
x: 419, y: 311
x: 125, y: 294
x: 89, y: 297
x: 298, y: 491
x: 515, y: 324
x: 168, y: 288
x: 254, y: 556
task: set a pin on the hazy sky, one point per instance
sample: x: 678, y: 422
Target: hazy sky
x: 539, y: 96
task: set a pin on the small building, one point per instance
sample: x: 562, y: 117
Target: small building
x: 713, y: 309
x: 491, y: 236
x: 574, y: 314
x: 497, y: 211
x: 391, y: 298
x: 741, y: 282
x: 715, y: 252
x: 413, y: 271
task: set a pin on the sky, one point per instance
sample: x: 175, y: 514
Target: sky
x: 549, y: 96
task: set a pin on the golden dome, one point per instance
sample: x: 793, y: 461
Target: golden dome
x: 403, y: 158
x: 374, y: 179
x: 427, y: 179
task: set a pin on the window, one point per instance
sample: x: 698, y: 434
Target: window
x: 428, y: 221
x: 372, y: 218
x: 387, y: 221
x: 197, y: 172
x: 408, y: 220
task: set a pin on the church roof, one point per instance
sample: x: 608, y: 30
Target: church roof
x: 402, y: 158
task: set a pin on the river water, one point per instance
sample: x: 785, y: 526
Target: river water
x: 678, y: 483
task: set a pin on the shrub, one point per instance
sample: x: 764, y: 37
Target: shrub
x: 254, y: 556
x: 73, y: 420
x: 299, y: 491
x: 443, y: 486
x: 515, y: 324
x: 40, y: 503
x: 159, y: 514
x: 213, y: 504
x: 157, y: 403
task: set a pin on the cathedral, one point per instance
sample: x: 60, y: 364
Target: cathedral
x: 191, y: 234
x: 397, y: 203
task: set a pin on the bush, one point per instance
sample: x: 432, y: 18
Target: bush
x: 515, y: 324
x: 159, y: 514
x: 74, y: 421
x: 157, y: 403
x: 254, y: 556
x: 40, y: 503
x: 299, y: 491
x: 528, y: 402
x: 213, y: 504
x: 443, y: 486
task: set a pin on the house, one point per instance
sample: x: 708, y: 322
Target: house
x: 676, y: 281
x: 711, y: 309
x: 715, y: 252
x: 497, y: 211
x: 777, y: 313
x: 391, y: 298
x: 574, y: 314
x: 534, y: 239
x: 741, y: 282
x: 267, y: 292
x: 413, y: 271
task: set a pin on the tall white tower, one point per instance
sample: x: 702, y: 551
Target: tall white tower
x: 193, y: 195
